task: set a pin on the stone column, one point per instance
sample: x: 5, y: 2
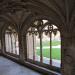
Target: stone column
x: 68, y: 55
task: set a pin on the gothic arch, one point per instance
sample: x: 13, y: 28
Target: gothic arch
x: 24, y: 32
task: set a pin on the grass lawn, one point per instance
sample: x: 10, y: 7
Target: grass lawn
x: 56, y: 54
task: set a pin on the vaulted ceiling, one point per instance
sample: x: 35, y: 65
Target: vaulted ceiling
x: 17, y: 12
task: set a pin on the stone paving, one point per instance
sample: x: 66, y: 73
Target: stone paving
x: 7, y: 67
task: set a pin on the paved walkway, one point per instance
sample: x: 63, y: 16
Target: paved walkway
x: 46, y: 60
x: 47, y: 47
x: 7, y: 67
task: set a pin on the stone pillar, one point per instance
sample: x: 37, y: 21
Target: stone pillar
x: 0, y: 45
x: 68, y: 55
x: 21, y: 52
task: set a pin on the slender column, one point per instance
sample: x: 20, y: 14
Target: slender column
x: 41, y: 58
x: 50, y: 33
x: 50, y: 50
x: 33, y: 47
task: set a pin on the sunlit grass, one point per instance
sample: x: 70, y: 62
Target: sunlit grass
x: 56, y: 53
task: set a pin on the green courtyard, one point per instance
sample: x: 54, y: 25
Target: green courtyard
x: 56, y: 52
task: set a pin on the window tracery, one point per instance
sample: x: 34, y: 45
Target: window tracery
x: 11, y: 41
x: 44, y: 43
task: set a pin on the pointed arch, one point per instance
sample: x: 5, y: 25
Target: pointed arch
x: 44, y: 44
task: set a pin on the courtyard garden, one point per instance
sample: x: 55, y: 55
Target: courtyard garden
x: 56, y: 50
